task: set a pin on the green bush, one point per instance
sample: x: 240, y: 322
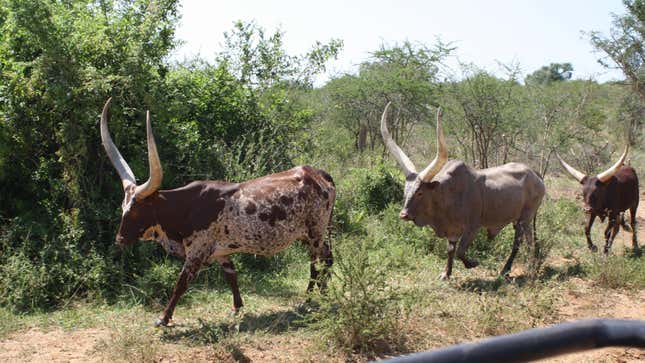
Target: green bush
x: 364, y: 192
x: 40, y: 271
x: 362, y: 310
x: 372, y: 189
x: 389, y: 229
x: 22, y: 284
x: 155, y: 286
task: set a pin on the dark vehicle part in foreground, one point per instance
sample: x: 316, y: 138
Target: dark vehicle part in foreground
x: 539, y: 343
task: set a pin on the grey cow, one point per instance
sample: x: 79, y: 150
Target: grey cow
x: 456, y: 200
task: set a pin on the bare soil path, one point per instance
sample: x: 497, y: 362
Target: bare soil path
x: 57, y: 345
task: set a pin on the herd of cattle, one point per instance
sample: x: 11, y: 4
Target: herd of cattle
x: 207, y: 221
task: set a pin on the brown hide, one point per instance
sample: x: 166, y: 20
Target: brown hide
x: 610, y: 200
x: 617, y: 195
x: 206, y: 221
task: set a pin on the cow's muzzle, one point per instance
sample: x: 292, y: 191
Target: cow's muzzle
x: 404, y: 215
x: 119, y: 240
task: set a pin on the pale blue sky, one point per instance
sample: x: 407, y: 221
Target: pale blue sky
x: 533, y: 33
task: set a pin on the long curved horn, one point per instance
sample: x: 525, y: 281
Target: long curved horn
x: 404, y: 162
x: 119, y: 163
x: 607, y: 174
x: 578, y: 175
x: 442, y: 154
x: 156, y: 173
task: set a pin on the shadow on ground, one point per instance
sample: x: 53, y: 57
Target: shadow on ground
x: 209, y: 332
x: 549, y: 272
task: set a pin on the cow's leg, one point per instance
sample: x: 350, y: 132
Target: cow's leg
x: 451, y: 256
x: 608, y: 229
x: 592, y: 217
x: 319, y: 252
x: 520, y: 230
x: 327, y: 260
x: 464, y: 242
x: 231, y: 278
x: 615, y: 226
x: 623, y: 222
x: 632, y: 214
x: 188, y: 272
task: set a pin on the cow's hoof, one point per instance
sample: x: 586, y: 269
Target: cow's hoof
x: 235, y: 311
x: 593, y: 248
x: 444, y: 276
x: 471, y: 263
x: 163, y: 323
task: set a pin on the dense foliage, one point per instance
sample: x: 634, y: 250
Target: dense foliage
x: 59, y: 62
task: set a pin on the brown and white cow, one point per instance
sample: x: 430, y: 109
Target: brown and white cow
x: 207, y: 221
x: 457, y: 200
x: 609, y: 194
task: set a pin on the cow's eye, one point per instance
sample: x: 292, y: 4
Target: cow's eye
x: 418, y: 194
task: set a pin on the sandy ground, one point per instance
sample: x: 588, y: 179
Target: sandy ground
x: 579, y: 304
x: 53, y: 346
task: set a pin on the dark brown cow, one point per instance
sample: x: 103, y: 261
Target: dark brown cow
x: 609, y: 194
x: 206, y: 221
x: 457, y: 200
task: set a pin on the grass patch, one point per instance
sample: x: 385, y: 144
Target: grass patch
x: 9, y: 322
x: 129, y: 343
x: 618, y: 272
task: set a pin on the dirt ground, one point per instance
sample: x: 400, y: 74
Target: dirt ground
x: 58, y: 345
x: 580, y: 302
x: 611, y: 305
x: 52, y: 346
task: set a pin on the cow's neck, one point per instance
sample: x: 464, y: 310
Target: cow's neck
x: 165, y: 228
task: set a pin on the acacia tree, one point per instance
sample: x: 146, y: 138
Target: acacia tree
x: 250, y: 112
x: 623, y: 46
x: 260, y: 60
x: 554, y: 72
x: 484, y: 110
x: 406, y: 74
x: 559, y: 115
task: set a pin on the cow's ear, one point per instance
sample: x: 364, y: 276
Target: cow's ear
x: 584, y: 179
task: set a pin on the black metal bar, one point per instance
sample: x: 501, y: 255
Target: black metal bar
x: 539, y: 343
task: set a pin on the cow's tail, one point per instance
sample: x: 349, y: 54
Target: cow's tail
x: 330, y: 227
x: 330, y: 222
x: 535, y: 240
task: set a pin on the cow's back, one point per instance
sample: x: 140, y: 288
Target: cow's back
x: 622, y: 190
x: 510, y: 192
x: 266, y: 214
